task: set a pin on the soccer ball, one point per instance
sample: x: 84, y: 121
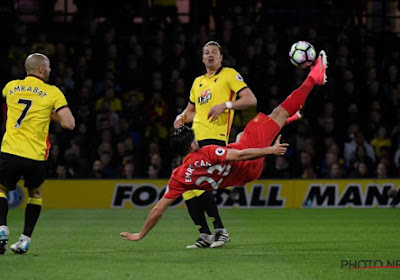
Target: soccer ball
x: 302, y: 54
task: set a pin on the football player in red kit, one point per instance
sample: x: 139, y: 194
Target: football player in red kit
x: 215, y: 167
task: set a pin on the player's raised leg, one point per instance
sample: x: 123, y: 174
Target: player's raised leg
x: 273, y: 123
x: 295, y: 101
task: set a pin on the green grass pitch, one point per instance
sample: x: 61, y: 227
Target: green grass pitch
x: 266, y: 244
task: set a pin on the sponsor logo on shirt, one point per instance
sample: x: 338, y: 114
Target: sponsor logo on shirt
x: 205, y: 96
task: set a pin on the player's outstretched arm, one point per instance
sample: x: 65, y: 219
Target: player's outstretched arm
x: 152, y: 219
x: 253, y: 153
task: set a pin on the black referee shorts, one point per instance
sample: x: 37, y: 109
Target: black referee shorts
x: 13, y: 167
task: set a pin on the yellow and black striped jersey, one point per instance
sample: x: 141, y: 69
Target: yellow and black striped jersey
x: 206, y: 92
x: 29, y: 105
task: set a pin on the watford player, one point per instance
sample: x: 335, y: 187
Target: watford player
x: 211, y: 109
x: 31, y: 104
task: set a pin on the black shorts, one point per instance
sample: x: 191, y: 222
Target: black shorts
x: 13, y: 167
x: 207, y: 142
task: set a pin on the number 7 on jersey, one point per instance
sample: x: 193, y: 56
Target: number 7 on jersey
x: 28, y: 104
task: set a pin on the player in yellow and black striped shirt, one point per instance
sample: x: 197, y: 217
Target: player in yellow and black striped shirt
x: 31, y: 104
x: 211, y: 109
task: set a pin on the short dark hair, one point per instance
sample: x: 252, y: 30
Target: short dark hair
x: 213, y: 43
x: 181, y: 139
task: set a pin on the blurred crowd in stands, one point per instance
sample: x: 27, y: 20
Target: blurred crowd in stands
x: 125, y: 83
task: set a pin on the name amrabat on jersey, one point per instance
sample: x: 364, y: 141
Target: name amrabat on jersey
x: 21, y: 88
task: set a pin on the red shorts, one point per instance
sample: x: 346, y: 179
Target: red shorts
x: 259, y: 133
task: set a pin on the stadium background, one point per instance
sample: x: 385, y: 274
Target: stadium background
x: 129, y: 49
x: 126, y: 68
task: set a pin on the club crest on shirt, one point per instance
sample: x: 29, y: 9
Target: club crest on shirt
x: 220, y: 152
x: 205, y: 96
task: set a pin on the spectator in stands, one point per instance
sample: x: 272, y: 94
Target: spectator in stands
x: 351, y: 147
x: 305, y: 163
x: 106, y: 161
x: 157, y: 109
x: 396, y: 161
x: 336, y: 172
x: 157, y: 161
x: 109, y: 96
x: 152, y: 172
x: 107, y: 119
x: 385, y: 158
x: 128, y: 171
x: 361, y: 170
x: 280, y: 169
x: 380, y: 140
x: 381, y: 171
x: 327, y: 164
x: 61, y: 171
x: 97, y: 170
x: 360, y: 155
x: 43, y: 46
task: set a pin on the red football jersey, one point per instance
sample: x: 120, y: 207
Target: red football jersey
x: 206, y: 169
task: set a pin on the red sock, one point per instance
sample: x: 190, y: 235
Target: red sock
x: 297, y: 98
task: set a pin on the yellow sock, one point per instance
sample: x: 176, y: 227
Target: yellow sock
x: 36, y: 201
